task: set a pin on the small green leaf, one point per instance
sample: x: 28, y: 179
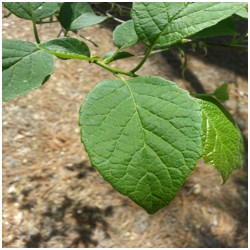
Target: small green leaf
x: 160, y: 24
x: 223, y: 146
x: 224, y: 27
x: 66, y: 47
x: 124, y: 35
x: 120, y: 55
x: 24, y: 68
x: 7, y: 15
x: 143, y: 135
x: 41, y: 10
x: 75, y: 16
x: 221, y: 92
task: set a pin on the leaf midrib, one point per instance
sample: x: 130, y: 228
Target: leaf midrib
x: 14, y: 65
x: 73, y: 56
x: 144, y: 145
x: 222, y: 144
x: 143, y: 135
x: 173, y: 18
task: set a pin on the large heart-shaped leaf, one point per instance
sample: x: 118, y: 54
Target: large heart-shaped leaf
x: 75, y: 16
x: 223, y: 146
x: 24, y: 68
x: 143, y: 135
x: 40, y: 10
x: 124, y: 35
x: 66, y: 47
x: 159, y: 24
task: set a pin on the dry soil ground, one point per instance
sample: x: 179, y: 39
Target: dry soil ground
x: 52, y: 197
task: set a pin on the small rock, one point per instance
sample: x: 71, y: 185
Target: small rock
x: 196, y: 189
x: 18, y: 218
x: 210, y: 210
x: 11, y: 190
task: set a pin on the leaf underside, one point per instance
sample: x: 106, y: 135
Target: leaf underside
x: 24, y: 68
x: 159, y: 24
x: 66, y: 47
x: 223, y: 146
x: 75, y: 16
x: 143, y: 136
x: 120, y: 55
x: 224, y: 27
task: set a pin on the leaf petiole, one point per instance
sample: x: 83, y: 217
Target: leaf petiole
x: 34, y: 24
x: 113, y: 56
x: 143, y: 60
x: 114, y: 70
x: 201, y: 95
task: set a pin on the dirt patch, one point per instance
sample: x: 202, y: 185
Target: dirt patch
x: 52, y: 197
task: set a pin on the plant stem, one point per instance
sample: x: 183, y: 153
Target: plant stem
x: 200, y: 95
x: 34, y: 24
x: 95, y: 44
x: 158, y: 51
x: 66, y: 32
x: 240, y: 38
x: 114, y: 70
x: 120, y: 77
x: 143, y: 60
x: 7, y: 15
x: 108, y: 15
x: 213, y: 44
x: 233, y: 39
x: 60, y: 32
x: 112, y: 57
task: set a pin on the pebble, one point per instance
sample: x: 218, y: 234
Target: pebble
x: 242, y: 93
x: 196, y: 189
x: 18, y: 218
x: 11, y: 190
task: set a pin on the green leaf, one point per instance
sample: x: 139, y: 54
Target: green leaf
x: 221, y: 92
x: 41, y: 10
x: 66, y: 47
x: 120, y: 55
x: 24, y: 68
x: 143, y: 135
x: 223, y: 146
x: 124, y: 35
x: 159, y: 24
x: 75, y: 16
x: 243, y: 12
x: 7, y: 15
x: 220, y: 106
x: 224, y: 27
